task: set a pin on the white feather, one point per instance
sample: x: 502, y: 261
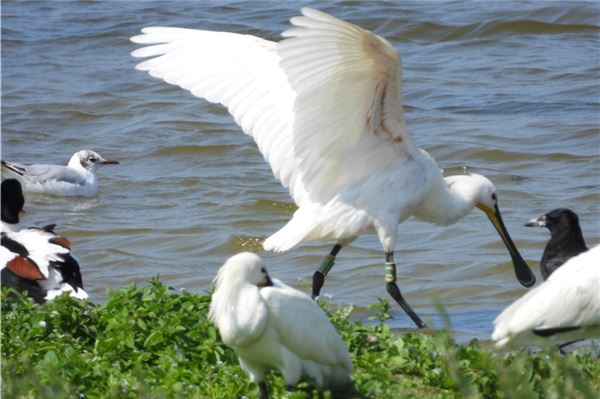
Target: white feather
x: 570, y: 297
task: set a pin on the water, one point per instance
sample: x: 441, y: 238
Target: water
x: 509, y: 90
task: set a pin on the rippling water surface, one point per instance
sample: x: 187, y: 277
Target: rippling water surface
x: 509, y: 90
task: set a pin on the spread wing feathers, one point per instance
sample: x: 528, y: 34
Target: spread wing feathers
x: 304, y: 328
x: 241, y: 72
x: 348, y: 109
x: 569, y: 298
x: 35, y: 248
x: 321, y: 102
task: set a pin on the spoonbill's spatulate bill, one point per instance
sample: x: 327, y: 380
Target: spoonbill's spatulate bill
x: 324, y: 106
x: 565, y: 308
x: 566, y: 238
x: 78, y: 178
x: 271, y: 325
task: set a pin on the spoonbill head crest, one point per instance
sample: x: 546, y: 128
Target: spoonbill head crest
x: 243, y: 268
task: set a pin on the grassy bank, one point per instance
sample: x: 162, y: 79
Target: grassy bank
x: 155, y: 342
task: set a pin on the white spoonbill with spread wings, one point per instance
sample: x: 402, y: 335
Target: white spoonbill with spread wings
x: 271, y: 325
x: 324, y: 107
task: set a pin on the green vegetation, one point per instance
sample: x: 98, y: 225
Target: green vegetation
x: 155, y: 342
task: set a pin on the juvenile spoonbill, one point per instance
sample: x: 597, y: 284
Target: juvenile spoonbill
x: 324, y: 107
x: 77, y: 178
x: 566, y: 238
x: 565, y: 308
x: 271, y: 325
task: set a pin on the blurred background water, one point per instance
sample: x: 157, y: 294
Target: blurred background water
x: 510, y: 90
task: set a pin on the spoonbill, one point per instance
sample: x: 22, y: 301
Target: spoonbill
x: 563, y: 309
x: 271, y: 325
x: 324, y: 107
x: 78, y: 178
x: 566, y: 238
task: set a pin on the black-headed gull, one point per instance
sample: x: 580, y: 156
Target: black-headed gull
x: 566, y: 238
x: 12, y: 204
x: 39, y: 261
x: 271, y: 325
x: 563, y: 309
x: 78, y: 178
x: 324, y: 106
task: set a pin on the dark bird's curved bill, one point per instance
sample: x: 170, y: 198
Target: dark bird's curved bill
x: 523, y: 272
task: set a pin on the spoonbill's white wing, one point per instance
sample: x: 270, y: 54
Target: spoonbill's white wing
x: 349, y: 122
x: 569, y: 298
x: 241, y: 72
x: 305, y: 330
x: 323, y: 106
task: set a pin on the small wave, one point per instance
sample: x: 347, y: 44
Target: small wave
x: 191, y: 149
x: 494, y: 28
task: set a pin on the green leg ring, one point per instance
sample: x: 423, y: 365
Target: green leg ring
x: 326, y: 264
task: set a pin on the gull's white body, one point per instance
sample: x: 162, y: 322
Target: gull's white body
x: 78, y: 178
x: 44, y: 253
x: 324, y: 107
x: 570, y: 297
x: 276, y: 327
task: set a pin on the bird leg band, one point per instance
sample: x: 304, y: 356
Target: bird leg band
x: 390, y: 272
x: 326, y: 264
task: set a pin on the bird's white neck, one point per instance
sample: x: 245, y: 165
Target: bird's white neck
x: 75, y: 163
x: 447, y: 202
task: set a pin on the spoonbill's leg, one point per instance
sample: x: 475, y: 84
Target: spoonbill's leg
x: 394, y: 291
x: 262, y: 386
x: 324, y: 268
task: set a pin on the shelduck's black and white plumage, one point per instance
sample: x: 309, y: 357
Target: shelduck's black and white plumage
x: 76, y: 178
x: 566, y: 238
x: 36, y: 260
x: 271, y: 325
x: 39, y: 261
x: 563, y: 309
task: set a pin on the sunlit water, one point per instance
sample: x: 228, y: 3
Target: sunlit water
x: 509, y: 90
